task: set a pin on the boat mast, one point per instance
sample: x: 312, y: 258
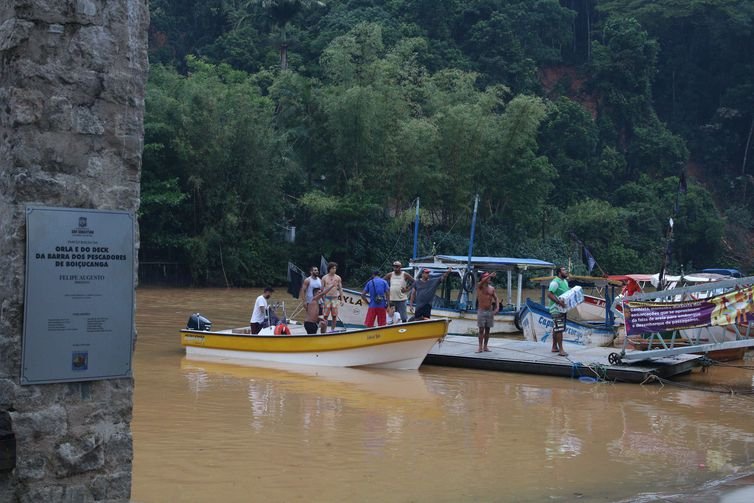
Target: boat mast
x: 416, y: 230
x: 466, y: 298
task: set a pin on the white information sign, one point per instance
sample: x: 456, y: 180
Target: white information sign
x: 79, y: 303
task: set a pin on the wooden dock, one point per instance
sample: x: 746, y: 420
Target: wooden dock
x: 509, y: 355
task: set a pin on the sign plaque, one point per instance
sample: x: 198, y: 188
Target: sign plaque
x: 79, y: 301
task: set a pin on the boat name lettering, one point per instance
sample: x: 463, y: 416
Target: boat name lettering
x: 373, y: 337
x: 194, y: 338
x: 349, y: 300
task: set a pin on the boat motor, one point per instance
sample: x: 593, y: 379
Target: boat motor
x: 198, y: 322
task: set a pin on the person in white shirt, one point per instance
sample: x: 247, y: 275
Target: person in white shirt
x: 259, y: 313
x: 393, y: 316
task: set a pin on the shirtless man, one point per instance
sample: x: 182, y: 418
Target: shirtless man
x: 486, y: 310
x: 312, y: 321
x: 332, y: 301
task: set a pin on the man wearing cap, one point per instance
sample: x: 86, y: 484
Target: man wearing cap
x: 259, y: 313
x: 400, y: 283
x: 378, y: 291
x: 423, y: 293
x: 487, y: 308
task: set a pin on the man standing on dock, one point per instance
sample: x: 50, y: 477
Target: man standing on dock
x: 558, y: 286
x: 487, y: 308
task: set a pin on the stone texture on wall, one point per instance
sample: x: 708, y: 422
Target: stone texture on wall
x: 72, y: 83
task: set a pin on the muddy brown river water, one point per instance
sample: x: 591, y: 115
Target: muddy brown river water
x: 215, y: 432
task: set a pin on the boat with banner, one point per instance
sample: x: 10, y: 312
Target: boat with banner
x: 402, y: 346
x: 722, y: 310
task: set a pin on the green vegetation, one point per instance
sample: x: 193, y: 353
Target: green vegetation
x: 570, y: 118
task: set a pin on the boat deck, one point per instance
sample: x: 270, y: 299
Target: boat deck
x: 509, y: 355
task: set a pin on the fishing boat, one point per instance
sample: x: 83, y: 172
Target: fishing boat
x: 462, y: 281
x: 401, y: 346
x: 536, y: 325
x: 595, y: 306
x: 669, y: 319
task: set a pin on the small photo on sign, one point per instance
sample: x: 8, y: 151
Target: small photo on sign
x: 80, y: 360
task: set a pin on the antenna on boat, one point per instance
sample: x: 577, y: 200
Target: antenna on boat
x: 464, y: 295
x: 416, y: 230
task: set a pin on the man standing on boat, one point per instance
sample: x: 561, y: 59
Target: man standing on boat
x: 259, y: 313
x: 310, y: 283
x: 423, y: 293
x: 378, y: 291
x: 400, y: 283
x: 558, y: 286
x: 487, y: 308
x: 332, y: 301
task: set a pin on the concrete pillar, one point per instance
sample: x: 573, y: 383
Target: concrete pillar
x: 72, y: 82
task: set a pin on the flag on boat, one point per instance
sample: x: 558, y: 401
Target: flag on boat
x: 295, y: 279
x: 589, y: 260
x: 322, y: 265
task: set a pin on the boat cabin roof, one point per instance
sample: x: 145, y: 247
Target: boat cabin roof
x: 485, y: 263
x: 584, y: 281
x: 640, y: 278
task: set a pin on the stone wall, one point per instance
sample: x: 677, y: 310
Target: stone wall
x: 72, y: 81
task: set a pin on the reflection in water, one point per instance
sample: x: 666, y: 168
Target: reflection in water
x: 209, y: 431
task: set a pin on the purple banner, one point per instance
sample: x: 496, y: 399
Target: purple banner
x: 644, y: 317
x: 726, y: 309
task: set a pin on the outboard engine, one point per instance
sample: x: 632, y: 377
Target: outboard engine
x: 198, y: 322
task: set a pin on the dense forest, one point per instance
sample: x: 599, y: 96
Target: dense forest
x: 577, y: 122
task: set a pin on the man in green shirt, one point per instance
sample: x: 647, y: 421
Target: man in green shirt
x: 558, y: 286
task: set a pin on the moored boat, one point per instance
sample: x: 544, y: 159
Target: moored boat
x: 402, y: 346
x: 462, y: 280
x: 536, y: 325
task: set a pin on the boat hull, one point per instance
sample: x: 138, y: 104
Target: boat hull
x: 536, y: 325
x: 401, y: 346
x: 353, y: 312
x: 592, y: 309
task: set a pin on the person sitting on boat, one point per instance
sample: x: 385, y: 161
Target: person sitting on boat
x: 400, y: 283
x: 259, y: 313
x: 393, y: 316
x: 423, y: 293
x: 313, y: 320
x: 486, y: 309
x: 332, y: 301
x: 378, y: 291
x: 558, y: 286
x: 309, y: 284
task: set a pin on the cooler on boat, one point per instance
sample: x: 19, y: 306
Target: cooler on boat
x: 198, y: 322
